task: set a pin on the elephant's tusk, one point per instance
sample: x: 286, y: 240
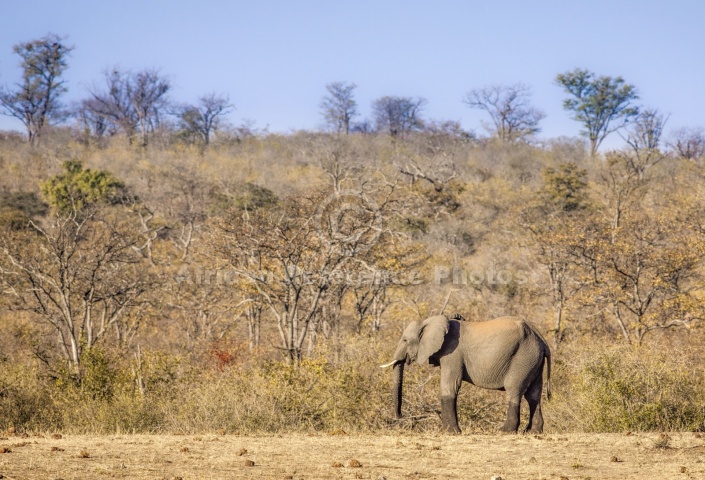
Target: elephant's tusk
x: 388, y: 364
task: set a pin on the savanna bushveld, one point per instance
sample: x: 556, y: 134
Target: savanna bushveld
x: 163, y: 271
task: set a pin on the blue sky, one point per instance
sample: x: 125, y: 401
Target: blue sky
x: 274, y: 57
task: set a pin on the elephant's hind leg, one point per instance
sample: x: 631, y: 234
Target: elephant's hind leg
x: 511, y: 424
x: 533, y: 398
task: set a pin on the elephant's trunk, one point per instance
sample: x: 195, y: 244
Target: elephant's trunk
x: 397, y: 389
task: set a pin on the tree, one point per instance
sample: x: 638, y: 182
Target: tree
x: 279, y: 255
x: 688, y: 143
x: 647, y: 272
x: 204, y: 118
x: 564, y: 188
x: 111, y: 111
x: 398, y: 115
x: 131, y: 102
x: 644, y: 133
x: 602, y: 104
x: 643, y: 136
x: 512, y: 116
x: 35, y: 102
x: 78, y: 188
x: 78, y: 274
x: 555, y: 224
x: 339, y: 107
x: 621, y: 185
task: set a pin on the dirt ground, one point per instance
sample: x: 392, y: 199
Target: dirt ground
x: 342, y: 456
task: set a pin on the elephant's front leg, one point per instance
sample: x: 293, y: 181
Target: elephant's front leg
x: 450, y: 385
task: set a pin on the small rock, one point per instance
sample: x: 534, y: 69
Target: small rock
x: 249, y: 463
x: 221, y: 431
x: 336, y: 465
x: 495, y: 477
x: 11, y: 430
x: 185, y: 449
x: 684, y: 470
x: 241, y: 452
x: 57, y: 449
x: 615, y: 459
x: 352, y: 463
x: 5, y: 450
x: 381, y: 477
x: 56, y: 436
x: 84, y: 454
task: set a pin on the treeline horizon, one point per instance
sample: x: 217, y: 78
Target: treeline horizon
x: 137, y: 103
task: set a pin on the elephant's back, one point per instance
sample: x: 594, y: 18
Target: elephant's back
x: 499, y: 326
x: 503, y: 334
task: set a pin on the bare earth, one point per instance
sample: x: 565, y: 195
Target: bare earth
x: 377, y: 457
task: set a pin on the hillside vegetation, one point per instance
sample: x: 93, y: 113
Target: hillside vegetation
x: 256, y: 283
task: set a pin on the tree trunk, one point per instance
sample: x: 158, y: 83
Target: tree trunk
x: 557, y: 327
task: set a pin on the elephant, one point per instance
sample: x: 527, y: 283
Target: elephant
x: 506, y: 354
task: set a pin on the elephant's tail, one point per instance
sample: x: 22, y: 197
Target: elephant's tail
x: 547, y: 356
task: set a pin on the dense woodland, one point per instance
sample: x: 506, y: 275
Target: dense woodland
x: 165, y: 271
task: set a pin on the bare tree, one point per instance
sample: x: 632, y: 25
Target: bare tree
x: 646, y: 130
x: 35, y: 101
x: 77, y: 274
x: 278, y: 254
x: 148, y: 97
x: 339, y: 107
x: 131, y: 102
x: 512, y: 116
x: 204, y: 118
x: 113, y: 104
x: 644, y: 137
x: 439, y: 173
x: 688, y: 143
x: 398, y: 115
x: 91, y: 120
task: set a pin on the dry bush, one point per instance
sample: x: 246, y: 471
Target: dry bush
x: 597, y: 389
x: 175, y: 384
x: 609, y: 388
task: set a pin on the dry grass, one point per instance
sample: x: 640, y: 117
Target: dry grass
x: 342, y: 456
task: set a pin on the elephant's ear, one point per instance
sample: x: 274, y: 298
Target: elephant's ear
x: 433, y: 333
